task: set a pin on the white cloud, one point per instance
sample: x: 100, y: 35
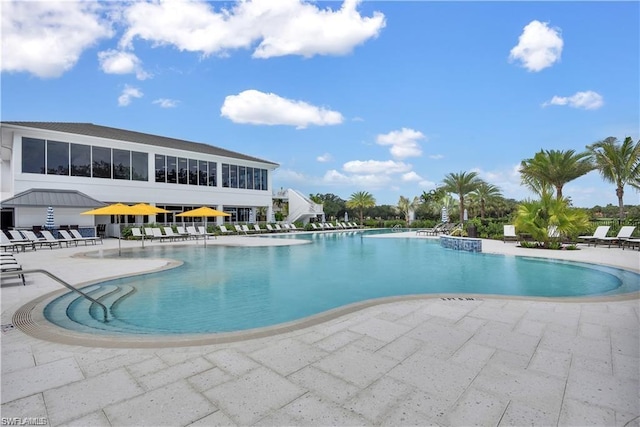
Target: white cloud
x: 284, y: 27
x: 290, y: 176
x: 258, y: 108
x: 427, y: 184
x: 326, y: 157
x: 128, y: 93
x: 403, y: 142
x: 46, y: 38
x: 376, y: 167
x: 508, y: 180
x: 411, y: 176
x: 366, y: 181
x: 166, y: 103
x: 436, y: 156
x: 539, y: 46
x: 588, y: 100
x: 120, y: 62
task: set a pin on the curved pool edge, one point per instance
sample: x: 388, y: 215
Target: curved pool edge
x: 31, y: 320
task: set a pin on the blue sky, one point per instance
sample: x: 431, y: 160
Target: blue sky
x: 385, y: 97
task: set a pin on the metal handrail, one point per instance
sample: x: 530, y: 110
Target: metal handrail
x: 62, y: 282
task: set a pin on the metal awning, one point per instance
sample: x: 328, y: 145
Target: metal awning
x: 44, y: 197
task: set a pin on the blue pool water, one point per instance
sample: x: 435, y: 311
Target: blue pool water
x: 222, y: 289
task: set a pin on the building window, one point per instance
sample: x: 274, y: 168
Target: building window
x: 203, y: 172
x: 80, y: 160
x: 161, y: 168
x: 139, y: 166
x: 263, y: 182
x: 32, y: 155
x: 242, y: 177
x: 182, y: 170
x: 172, y: 173
x: 256, y: 178
x: 233, y: 176
x: 101, y: 162
x: 213, y: 178
x: 57, y: 158
x: 121, y: 164
x: 193, y: 172
x: 250, y: 178
x: 225, y: 175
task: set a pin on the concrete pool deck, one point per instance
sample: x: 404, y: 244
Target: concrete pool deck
x: 428, y: 361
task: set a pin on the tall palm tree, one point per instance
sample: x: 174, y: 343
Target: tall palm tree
x: 406, y: 206
x: 461, y: 184
x: 554, y: 167
x: 618, y: 164
x: 485, y: 193
x: 360, y: 201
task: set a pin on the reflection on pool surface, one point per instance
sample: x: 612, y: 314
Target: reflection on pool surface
x: 236, y: 288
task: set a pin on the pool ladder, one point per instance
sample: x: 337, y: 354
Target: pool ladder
x: 62, y: 282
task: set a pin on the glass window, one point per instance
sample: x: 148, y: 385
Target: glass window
x: 256, y: 178
x: 57, y: 158
x: 101, y: 159
x: 250, y: 178
x: 121, y: 164
x: 225, y: 175
x: 233, y: 176
x: 182, y: 170
x: 203, y: 172
x: 264, y: 182
x: 242, y: 177
x: 32, y: 155
x: 172, y: 173
x: 139, y: 166
x: 213, y: 178
x: 193, y: 172
x: 80, y: 160
x: 161, y: 168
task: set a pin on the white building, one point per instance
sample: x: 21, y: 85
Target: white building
x: 115, y: 165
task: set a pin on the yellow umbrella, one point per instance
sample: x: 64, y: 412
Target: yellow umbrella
x: 203, y: 212
x: 116, y: 209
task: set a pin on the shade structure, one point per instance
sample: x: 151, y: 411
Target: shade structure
x: 203, y: 212
x: 116, y: 209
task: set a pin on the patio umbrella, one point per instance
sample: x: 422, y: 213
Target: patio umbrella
x: 444, y: 215
x: 50, y: 223
x: 346, y: 216
x: 115, y: 209
x: 148, y: 210
x: 203, y: 212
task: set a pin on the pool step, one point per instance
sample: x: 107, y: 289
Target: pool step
x: 57, y: 310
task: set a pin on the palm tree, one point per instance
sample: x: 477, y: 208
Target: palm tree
x: 485, y: 193
x: 617, y: 163
x: 540, y: 217
x: 554, y: 167
x: 406, y: 206
x: 462, y: 184
x: 360, y: 201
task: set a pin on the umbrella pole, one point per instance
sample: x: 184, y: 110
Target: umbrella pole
x: 204, y: 236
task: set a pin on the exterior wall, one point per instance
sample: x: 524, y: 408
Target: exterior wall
x: 125, y: 191
x: 26, y: 217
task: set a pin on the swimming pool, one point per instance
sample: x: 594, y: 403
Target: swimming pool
x: 223, y: 289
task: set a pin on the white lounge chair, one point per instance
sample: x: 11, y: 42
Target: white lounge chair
x: 148, y: 233
x: 168, y: 231
x: 601, y: 232
x: 203, y: 232
x: 193, y: 232
x: 9, y: 264
x: 136, y: 233
x: 157, y: 234
x: 76, y: 234
x: 238, y: 229
x: 14, y: 246
x: 258, y: 229
x: 314, y: 226
x: 278, y: 228
x: 294, y: 228
x: 270, y: 228
x: 182, y: 231
x: 509, y: 233
x: 224, y: 230
x: 624, y: 234
x: 50, y: 241
x: 66, y: 237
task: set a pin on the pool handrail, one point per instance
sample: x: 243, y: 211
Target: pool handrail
x: 63, y: 283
